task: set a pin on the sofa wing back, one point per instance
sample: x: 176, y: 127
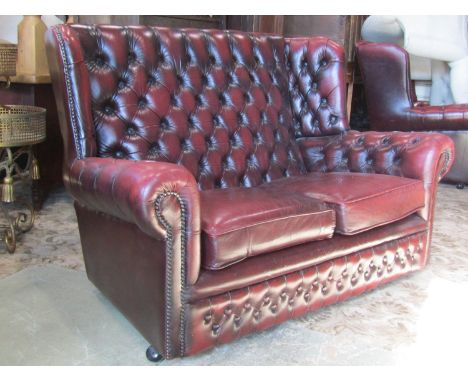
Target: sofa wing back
x: 216, y: 102
x: 317, y: 86
x: 71, y: 84
x: 389, y: 92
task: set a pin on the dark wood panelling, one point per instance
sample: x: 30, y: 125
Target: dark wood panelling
x: 176, y: 21
x: 204, y: 22
x: 359, y: 119
x: 103, y: 19
x: 256, y: 23
x: 313, y: 25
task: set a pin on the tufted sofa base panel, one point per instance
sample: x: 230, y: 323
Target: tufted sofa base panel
x: 223, y: 318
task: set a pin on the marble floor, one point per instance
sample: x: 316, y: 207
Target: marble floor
x: 50, y: 314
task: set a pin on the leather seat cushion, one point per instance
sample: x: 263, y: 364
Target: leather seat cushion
x: 361, y: 201
x: 242, y: 222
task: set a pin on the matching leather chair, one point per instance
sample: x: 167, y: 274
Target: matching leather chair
x: 392, y: 103
x: 218, y: 188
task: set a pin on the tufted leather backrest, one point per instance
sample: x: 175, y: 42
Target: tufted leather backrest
x: 317, y: 85
x: 215, y: 102
x: 365, y: 152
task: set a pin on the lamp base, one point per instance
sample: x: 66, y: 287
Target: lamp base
x: 31, y: 79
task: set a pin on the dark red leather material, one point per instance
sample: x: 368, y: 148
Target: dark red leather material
x: 423, y: 156
x: 67, y: 66
x: 240, y: 223
x: 128, y: 190
x: 391, y: 104
x: 436, y: 118
x: 128, y: 267
x: 221, y: 109
x: 226, y: 317
x: 361, y: 201
x: 260, y: 268
x: 317, y: 86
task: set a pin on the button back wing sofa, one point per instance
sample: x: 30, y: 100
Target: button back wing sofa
x: 218, y: 188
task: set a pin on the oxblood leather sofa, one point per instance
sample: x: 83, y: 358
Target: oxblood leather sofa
x: 392, y: 103
x: 218, y: 188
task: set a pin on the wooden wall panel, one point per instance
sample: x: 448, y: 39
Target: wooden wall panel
x: 314, y: 25
x: 256, y: 23
x: 204, y: 22
x: 218, y: 22
x: 103, y: 19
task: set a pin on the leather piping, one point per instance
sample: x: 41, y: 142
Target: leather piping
x: 169, y: 270
x: 71, y: 100
x: 446, y: 157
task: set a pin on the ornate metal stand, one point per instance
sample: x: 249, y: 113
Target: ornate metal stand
x: 21, y: 127
x: 21, y: 220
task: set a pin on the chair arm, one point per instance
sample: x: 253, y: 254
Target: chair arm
x: 422, y: 117
x: 424, y: 156
x: 162, y: 199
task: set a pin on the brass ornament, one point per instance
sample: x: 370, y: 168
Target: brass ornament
x: 22, y: 220
x: 8, y: 195
x: 21, y: 126
x: 35, y: 174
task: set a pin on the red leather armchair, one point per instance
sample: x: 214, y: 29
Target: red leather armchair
x: 218, y: 188
x: 392, y: 103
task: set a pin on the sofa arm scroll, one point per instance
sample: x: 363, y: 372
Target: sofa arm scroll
x: 412, y: 155
x: 162, y: 199
x: 424, y: 156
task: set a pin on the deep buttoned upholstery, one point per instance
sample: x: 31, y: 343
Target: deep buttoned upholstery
x: 215, y: 102
x: 316, y: 83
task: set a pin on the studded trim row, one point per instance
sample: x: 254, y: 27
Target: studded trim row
x: 228, y: 316
x: 446, y: 156
x: 71, y: 99
x: 169, y: 271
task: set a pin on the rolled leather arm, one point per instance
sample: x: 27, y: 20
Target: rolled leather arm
x: 424, y: 156
x: 152, y: 195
